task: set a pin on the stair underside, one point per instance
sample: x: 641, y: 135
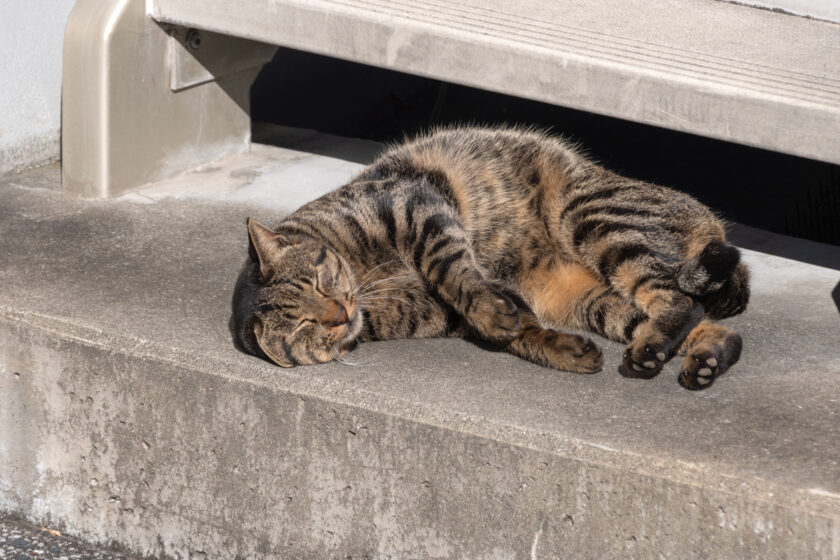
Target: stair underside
x: 711, y: 68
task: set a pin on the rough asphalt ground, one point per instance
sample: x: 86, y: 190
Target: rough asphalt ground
x: 20, y: 540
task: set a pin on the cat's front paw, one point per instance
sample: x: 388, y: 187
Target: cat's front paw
x: 547, y: 347
x: 571, y: 352
x: 495, y: 317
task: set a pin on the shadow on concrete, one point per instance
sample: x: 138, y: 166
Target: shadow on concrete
x: 764, y: 189
x: 802, y: 250
x: 835, y: 295
x: 312, y: 142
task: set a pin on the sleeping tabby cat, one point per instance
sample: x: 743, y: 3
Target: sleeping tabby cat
x: 502, y: 234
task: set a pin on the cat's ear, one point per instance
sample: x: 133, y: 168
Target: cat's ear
x: 263, y: 348
x: 257, y: 329
x: 263, y: 245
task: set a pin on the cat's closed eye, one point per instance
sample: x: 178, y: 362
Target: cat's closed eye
x: 305, y: 321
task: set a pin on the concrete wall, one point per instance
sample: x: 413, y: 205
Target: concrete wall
x: 31, y: 34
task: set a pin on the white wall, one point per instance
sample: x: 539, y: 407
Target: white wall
x: 31, y: 33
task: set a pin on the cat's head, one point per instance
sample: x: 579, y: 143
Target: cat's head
x: 304, y: 308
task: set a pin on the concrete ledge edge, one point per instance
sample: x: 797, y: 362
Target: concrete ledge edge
x: 812, y: 502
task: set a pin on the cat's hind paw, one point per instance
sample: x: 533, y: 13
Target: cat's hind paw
x: 698, y: 373
x: 644, y: 358
x: 653, y: 346
x: 707, y: 361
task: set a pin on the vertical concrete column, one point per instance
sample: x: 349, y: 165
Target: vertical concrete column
x: 142, y: 102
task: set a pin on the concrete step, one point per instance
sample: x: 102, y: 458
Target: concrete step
x: 701, y: 66
x: 127, y: 414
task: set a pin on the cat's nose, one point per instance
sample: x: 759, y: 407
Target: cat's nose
x: 336, y: 314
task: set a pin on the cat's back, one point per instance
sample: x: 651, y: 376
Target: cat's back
x: 482, y: 153
x: 485, y: 170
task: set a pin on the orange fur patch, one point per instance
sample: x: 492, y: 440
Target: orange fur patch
x: 703, y: 231
x: 651, y: 299
x: 695, y: 244
x: 626, y: 277
x: 553, y: 178
x: 552, y: 291
x: 707, y: 332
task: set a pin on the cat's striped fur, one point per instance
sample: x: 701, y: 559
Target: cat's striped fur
x: 505, y: 234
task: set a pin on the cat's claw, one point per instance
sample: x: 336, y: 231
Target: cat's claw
x: 590, y: 359
x: 587, y: 357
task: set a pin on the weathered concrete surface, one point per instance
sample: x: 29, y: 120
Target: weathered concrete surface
x: 127, y: 414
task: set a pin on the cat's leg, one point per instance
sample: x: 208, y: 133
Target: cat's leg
x: 653, y: 317
x: 580, y: 301
x: 569, y: 294
x: 672, y: 316
x: 710, y: 350
x: 436, y: 243
x: 647, y: 280
x: 641, y: 252
x: 551, y: 348
x: 606, y: 311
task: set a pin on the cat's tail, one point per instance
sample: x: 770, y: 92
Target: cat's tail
x: 709, y: 269
x: 717, y: 278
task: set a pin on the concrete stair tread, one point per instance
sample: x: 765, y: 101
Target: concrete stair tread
x: 153, y: 280
x: 144, y: 281
x: 711, y: 68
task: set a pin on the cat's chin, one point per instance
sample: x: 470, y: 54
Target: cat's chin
x: 346, y: 348
x: 348, y: 341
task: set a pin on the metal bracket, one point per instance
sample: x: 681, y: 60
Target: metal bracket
x: 197, y: 57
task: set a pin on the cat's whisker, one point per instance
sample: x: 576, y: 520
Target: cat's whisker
x: 377, y: 267
x: 382, y: 290
x: 368, y: 289
x: 367, y: 275
x: 377, y: 309
x: 342, y: 360
x: 383, y: 294
x: 383, y: 299
x: 372, y: 305
x: 380, y: 281
x: 363, y: 285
